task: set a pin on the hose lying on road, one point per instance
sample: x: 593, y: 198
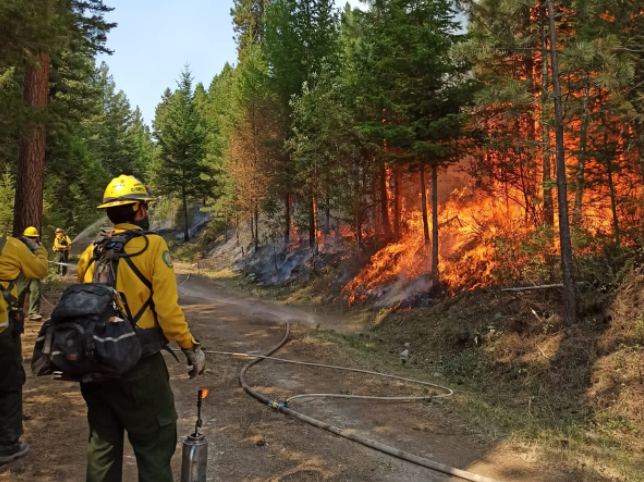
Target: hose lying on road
x: 449, y: 392
x: 430, y: 464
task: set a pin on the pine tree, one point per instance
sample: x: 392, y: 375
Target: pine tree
x: 79, y: 26
x: 248, y: 23
x: 414, y: 93
x: 301, y: 37
x: 179, y: 131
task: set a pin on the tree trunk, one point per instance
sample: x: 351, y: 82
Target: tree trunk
x: 384, y: 204
x: 611, y: 185
x: 423, y: 190
x: 358, y: 224
x: 327, y: 227
x: 186, y: 226
x: 548, y: 209
x: 252, y: 226
x: 374, y: 194
x: 434, y: 225
x: 313, y: 228
x: 583, y: 144
x: 397, y: 201
x: 570, y: 298
x: 31, y: 161
x: 256, y: 226
x: 287, y: 231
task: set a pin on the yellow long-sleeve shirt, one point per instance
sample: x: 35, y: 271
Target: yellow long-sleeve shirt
x: 16, y: 258
x: 62, y: 243
x: 154, y: 263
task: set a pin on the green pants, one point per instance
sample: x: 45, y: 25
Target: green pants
x: 31, y: 286
x: 11, y: 382
x: 142, y: 404
x: 62, y: 257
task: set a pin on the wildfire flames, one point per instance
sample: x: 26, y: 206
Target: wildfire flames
x: 485, y: 238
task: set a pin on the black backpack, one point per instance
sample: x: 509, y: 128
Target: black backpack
x: 92, y: 334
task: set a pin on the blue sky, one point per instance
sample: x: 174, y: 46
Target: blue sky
x: 155, y: 38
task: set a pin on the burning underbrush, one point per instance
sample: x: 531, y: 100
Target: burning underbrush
x: 480, y: 244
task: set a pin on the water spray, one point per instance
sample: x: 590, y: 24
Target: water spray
x: 194, y: 455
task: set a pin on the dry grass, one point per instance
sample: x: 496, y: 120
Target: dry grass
x: 576, y: 392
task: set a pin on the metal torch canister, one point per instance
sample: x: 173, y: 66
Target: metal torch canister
x: 194, y: 458
x: 194, y: 455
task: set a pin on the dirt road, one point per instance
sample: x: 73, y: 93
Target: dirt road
x: 248, y: 441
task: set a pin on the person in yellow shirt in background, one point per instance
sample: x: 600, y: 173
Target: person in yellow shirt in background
x: 30, y: 286
x: 62, y: 246
x: 141, y: 402
x: 29, y: 258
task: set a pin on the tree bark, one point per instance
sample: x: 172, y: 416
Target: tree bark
x: 583, y: 145
x: 548, y: 208
x: 256, y: 226
x: 327, y: 208
x: 31, y: 161
x: 313, y: 228
x: 384, y: 204
x: 374, y: 194
x: 287, y: 208
x: 397, y: 201
x: 434, y: 225
x: 611, y: 185
x: 423, y: 191
x: 186, y: 230
x: 570, y: 297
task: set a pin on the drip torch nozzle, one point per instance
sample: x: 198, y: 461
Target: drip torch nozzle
x: 203, y: 393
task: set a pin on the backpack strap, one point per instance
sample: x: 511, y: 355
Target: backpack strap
x: 119, y: 241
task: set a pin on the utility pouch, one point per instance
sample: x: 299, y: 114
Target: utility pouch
x: 17, y: 321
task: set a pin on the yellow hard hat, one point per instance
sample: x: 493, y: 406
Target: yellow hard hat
x: 31, y: 232
x: 125, y: 190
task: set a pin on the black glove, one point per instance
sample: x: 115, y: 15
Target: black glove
x: 30, y: 243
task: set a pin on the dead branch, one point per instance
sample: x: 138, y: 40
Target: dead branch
x: 527, y: 288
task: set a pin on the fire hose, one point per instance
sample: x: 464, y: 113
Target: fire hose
x: 386, y: 449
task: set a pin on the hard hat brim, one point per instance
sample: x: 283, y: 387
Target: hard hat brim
x: 124, y: 202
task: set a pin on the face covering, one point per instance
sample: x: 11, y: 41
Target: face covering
x: 144, y: 223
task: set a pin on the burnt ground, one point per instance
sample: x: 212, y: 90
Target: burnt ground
x: 248, y: 441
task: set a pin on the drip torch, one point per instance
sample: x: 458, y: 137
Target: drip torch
x: 194, y: 456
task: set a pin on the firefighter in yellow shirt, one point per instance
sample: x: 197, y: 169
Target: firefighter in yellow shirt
x: 29, y: 258
x: 62, y: 246
x: 141, y: 402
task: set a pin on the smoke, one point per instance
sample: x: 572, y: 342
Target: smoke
x: 399, y: 292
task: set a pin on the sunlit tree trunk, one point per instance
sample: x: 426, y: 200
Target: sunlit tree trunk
x: 570, y: 296
x: 31, y: 161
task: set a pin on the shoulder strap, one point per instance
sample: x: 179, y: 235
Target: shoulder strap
x: 113, y: 245
x: 3, y: 242
x: 6, y: 292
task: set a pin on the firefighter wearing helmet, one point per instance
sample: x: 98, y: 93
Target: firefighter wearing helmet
x: 62, y: 247
x: 141, y: 401
x: 28, y: 286
x: 26, y: 256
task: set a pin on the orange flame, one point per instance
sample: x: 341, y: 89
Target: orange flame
x: 203, y: 393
